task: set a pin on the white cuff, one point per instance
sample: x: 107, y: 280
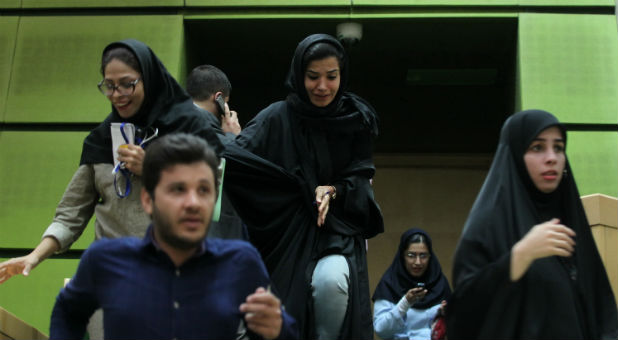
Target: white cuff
x: 403, y: 305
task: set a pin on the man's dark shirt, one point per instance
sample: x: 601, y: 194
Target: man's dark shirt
x: 145, y: 296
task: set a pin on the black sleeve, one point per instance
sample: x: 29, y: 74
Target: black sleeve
x: 481, y: 284
x: 355, y: 203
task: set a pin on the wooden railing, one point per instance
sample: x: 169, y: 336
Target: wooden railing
x: 602, y: 212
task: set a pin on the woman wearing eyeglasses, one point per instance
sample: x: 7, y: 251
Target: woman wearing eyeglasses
x: 412, y: 291
x: 144, y: 94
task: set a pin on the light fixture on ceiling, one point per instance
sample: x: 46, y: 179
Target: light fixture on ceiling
x: 349, y: 33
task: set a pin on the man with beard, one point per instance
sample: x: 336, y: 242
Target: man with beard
x: 175, y: 282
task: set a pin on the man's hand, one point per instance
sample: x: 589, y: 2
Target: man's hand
x: 133, y: 157
x: 263, y: 313
x: 229, y: 121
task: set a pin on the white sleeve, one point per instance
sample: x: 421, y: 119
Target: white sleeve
x: 389, y: 318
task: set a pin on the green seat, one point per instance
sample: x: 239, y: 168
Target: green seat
x: 97, y: 3
x: 32, y: 298
x: 10, y: 3
x: 57, y: 60
x: 245, y: 3
x: 594, y: 159
x: 568, y: 66
x: 36, y: 168
x: 566, y: 2
x: 8, y: 33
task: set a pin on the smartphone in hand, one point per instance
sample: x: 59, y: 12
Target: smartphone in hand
x: 220, y: 104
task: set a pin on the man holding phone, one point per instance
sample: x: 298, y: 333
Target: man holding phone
x: 210, y: 89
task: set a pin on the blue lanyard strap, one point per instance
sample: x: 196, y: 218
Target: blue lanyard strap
x: 124, y: 135
x: 126, y: 174
x: 120, y: 168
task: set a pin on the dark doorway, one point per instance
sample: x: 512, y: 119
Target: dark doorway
x: 440, y: 85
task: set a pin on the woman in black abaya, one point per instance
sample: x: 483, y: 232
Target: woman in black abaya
x: 304, y: 191
x: 526, y: 265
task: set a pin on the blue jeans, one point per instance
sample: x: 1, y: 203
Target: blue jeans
x: 329, y: 288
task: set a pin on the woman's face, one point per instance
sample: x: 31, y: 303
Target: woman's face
x: 118, y: 73
x: 322, y: 81
x: 416, y: 258
x: 545, y: 159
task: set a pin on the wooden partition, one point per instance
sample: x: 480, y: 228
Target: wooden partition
x: 12, y: 327
x: 431, y: 192
x: 602, y: 212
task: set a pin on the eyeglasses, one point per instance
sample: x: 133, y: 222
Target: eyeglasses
x: 125, y: 89
x: 413, y: 256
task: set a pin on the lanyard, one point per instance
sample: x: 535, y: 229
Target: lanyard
x: 121, y: 167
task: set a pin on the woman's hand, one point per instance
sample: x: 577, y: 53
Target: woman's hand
x: 543, y: 240
x: 323, y: 195
x: 133, y: 156
x: 442, y: 308
x: 414, y: 295
x: 18, y: 265
x: 23, y: 265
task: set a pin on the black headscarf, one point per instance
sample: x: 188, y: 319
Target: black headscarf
x: 166, y: 106
x: 557, y: 297
x: 396, y: 281
x: 347, y: 111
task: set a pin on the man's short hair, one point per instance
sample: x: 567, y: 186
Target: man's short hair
x: 206, y: 80
x: 173, y: 149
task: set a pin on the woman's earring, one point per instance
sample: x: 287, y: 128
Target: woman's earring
x: 565, y: 173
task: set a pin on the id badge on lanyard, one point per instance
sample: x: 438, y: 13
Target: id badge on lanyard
x: 121, y: 172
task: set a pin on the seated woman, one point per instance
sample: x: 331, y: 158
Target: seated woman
x: 412, y: 291
x: 526, y: 265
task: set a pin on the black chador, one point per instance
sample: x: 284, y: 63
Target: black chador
x: 558, y: 297
x: 274, y: 167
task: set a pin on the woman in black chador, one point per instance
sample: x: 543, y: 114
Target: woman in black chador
x: 526, y: 265
x: 303, y: 188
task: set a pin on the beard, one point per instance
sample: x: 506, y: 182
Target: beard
x: 164, y: 226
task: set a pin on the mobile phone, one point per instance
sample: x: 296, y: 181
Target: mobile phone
x: 420, y: 285
x: 220, y: 104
